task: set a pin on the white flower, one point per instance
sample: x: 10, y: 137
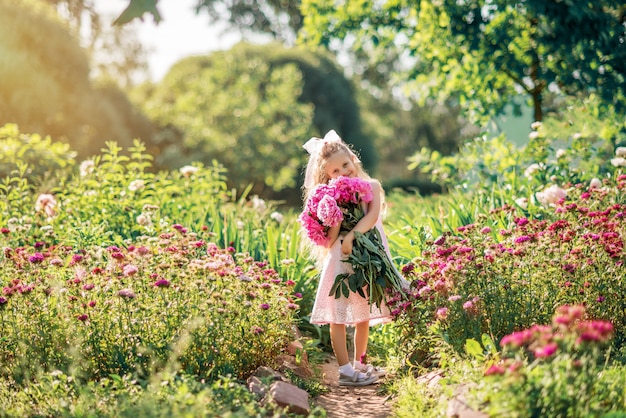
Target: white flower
x: 532, y: 169
x: 46, y: 203
x: 144, y: 220
x: 620, y: 151
x: 86, y: 167
x: 277, y: 216
x: 618, y: 162
x: 533, y: 135
x: 551, y: 195
x: 595, y: 183
x: 535, y: 125
x: 188, y: 170
x: 136, y: 185
x: 522, y: 202
x: 577, y: 135
x: 258, y: 203
x: 560, y: 153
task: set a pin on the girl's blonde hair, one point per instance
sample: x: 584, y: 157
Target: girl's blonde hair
x: 320, y: 159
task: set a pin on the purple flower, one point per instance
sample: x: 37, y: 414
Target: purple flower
x: 127, y: 293
x: 3, y: 300
x: 257, y: 330
x: 130, y: 270
x: 83, y: 317
x: 523, y: 238
x: 162, y: 283
x: 264, y: 306
x: 36, y: 258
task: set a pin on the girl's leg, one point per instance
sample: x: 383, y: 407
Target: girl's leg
x: 338, y: 341
x: 361, y: 335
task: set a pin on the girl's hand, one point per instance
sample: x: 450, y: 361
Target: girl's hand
x: 346, y: 245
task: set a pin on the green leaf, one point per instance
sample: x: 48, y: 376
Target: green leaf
x: 474, y: 349
x: 345, y: 290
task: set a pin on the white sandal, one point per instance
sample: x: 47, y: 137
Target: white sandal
x: 368, y: 368
x: 356, y: 380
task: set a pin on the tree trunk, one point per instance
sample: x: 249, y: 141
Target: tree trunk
x: 537, y: 102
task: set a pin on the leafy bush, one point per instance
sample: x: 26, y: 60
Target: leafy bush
x: 42, y: 157
x: 165, y: 395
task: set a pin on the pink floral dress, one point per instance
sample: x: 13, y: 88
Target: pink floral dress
x: 351, y: 310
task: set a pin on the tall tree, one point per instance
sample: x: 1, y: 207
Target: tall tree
x: 281, y: 19
x: 113, y: 50
x: 251, y: 108
x: 484, y: 52
x: 45, y: 84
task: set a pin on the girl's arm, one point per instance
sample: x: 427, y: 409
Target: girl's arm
x: 333, y: 233
x: 367, y: 222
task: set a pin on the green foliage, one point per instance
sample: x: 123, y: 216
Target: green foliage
x: 481, y: 53
x: 42, y: 157
x: 251, y: 108
x: 165, y: 395
x: 482, y: 160
x: 278, y: 18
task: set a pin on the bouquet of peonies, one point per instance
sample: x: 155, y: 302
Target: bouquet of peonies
x: 342, y: 202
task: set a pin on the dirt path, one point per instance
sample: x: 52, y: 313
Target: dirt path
x: 342, y: 401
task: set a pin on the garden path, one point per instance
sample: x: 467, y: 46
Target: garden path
x: 342, y: 401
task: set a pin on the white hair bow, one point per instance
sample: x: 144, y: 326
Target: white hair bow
x: 313, y: 146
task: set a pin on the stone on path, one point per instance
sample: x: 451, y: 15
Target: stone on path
x: 295, y: 399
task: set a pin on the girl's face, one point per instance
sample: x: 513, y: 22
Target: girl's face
x: 340, y: 164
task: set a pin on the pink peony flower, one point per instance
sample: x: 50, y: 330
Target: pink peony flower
x: 351, y: 190
x: 551, y: 195
x: 328, y: 212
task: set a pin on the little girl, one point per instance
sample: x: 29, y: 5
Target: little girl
x: 330, y: 158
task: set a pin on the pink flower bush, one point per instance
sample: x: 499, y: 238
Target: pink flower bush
x: 574, y: 256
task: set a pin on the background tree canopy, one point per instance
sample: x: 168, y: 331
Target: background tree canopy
x: 484, y: 52
x: 45, y: 85
x: 251, y: 108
